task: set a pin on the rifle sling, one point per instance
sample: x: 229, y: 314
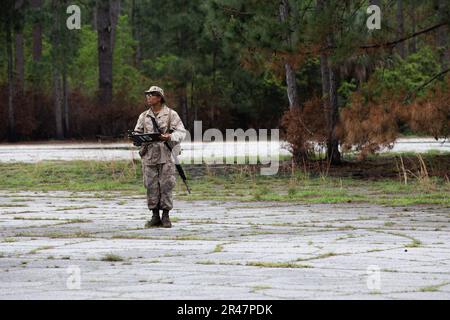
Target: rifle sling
x: 177, y: 165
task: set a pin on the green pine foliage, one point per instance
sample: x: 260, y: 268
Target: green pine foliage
x: 224, y: 58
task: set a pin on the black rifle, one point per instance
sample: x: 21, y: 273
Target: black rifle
x: 140, y: 138
x: 177, y: 165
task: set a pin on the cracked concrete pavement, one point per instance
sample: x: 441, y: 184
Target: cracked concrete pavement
x: 64, y: 245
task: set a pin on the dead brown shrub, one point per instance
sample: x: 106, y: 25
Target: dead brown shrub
x: 369, y: 126
x: 304, y: 126
x: 431, y: 114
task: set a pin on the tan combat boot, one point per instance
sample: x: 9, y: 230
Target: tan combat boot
x: 156, y: 220
x: 166, y: 220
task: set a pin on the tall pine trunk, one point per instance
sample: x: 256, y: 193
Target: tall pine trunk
x: 329, y: 98
x: 19, y: 61
x: 442, y: 34
x: 36, y: 53
x: 214, y: 88
x: 9, y: 9
x: 37, y: 31
x: 56, y: 69
x: 299, y: 151
x: 65, y: 88
x: 193, y: 104
x: 58, y: 103
x: 107, y: 13
x: 330, y: 103
x: 136, y: 31
x: 413, y: 41
x: 401, y: 29
x: 105, y: 56
x: 183, y: 103
x: 333, y: 154
x: 290, y: 72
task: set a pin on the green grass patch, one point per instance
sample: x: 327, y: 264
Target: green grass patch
x: 101, y: 177
x: 75, y: 208
x: 112, y: 258
x: 206, y: 262
x: 71, y: 175
x: 276, y: 264
x: 189, y: 238
x: 389, y: 270
x: 12, y: 205
x: 321, y: 256
x: 260, y: 287
x: 34, y: 251
x: 414, y: 244
x: 54, y: 235
x: 434, y: 288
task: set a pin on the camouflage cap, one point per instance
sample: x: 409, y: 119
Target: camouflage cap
x: 156, y: 89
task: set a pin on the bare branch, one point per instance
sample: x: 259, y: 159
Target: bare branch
x: 395, y: 42
x: 436, y: 76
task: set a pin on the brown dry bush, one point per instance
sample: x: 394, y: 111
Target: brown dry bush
x: 84, y: 116
x: 431, y: 114
x: 32, y: 114
x: 304, y: 126
x: 125, y: 114
x: 3, y: 111
x: 371, y: 125
x: 368, y: 127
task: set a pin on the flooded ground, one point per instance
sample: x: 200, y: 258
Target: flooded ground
x: 34, y: 152
x: 64, y: 245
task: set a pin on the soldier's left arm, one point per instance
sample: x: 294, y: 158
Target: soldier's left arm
x: 179, y: 132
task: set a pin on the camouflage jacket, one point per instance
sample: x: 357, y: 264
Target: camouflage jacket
x: 157, y: 152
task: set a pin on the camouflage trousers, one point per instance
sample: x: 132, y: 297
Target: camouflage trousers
x: 159, y: 180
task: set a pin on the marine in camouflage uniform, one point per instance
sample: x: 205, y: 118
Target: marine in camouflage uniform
x: 158, y: 163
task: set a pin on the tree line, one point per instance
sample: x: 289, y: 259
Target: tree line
x: 311, y: 67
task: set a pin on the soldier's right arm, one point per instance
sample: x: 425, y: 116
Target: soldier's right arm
x: 140, y: 123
